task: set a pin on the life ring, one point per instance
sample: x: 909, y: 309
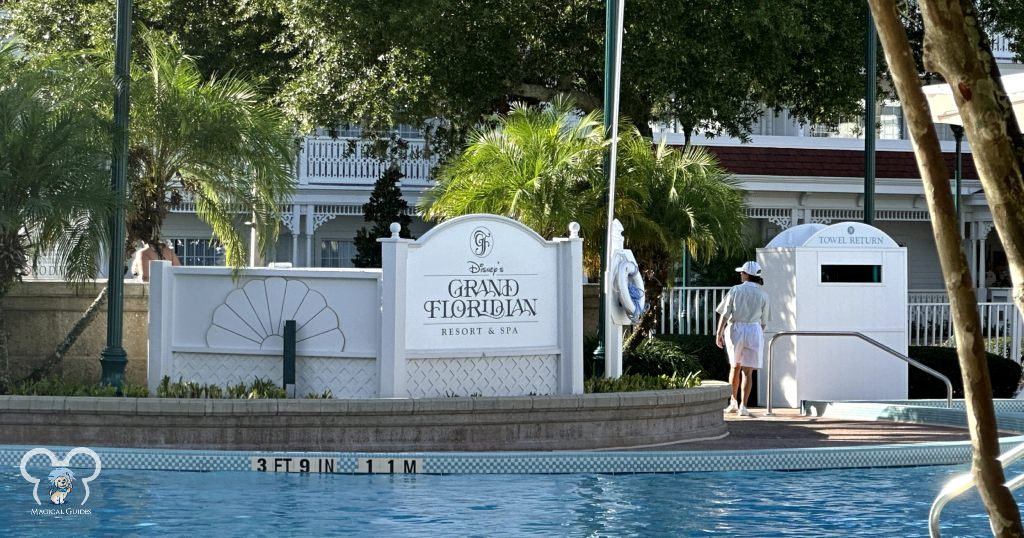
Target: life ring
x: 630, y: 288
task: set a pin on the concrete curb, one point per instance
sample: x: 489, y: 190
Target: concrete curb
x: 574, y: 422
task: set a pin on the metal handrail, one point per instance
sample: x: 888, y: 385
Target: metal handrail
x: 876, y: 343
x: 959, y: 484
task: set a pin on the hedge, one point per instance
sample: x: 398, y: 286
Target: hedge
x: 1004, y: 373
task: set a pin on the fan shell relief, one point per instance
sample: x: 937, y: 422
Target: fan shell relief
x: 253, y: 317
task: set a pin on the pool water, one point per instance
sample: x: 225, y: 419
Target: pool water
x: 889, y: 502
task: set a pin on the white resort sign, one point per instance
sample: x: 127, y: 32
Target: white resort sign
x: 482, y: 283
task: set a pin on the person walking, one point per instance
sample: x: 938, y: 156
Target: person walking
x: 743, y: 315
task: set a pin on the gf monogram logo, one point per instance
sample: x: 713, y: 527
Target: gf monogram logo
x: 481, y: 242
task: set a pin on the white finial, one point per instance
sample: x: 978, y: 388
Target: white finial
x: 395, y: 229
x: 617, y: 228
x: 574, y: 230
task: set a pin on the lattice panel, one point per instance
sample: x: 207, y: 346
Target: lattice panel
x: 345, y: 378
x: 224, y: 369
x: 483, y: 376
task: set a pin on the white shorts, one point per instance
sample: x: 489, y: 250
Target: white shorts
x: 745, y: 343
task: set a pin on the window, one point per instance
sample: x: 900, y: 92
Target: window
x: 833, y: 274
x: 195, y: 251
x: 337, y: 253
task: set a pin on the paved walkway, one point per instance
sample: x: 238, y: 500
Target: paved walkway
x: 787, y: 429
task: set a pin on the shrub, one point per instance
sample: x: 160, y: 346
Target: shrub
x: 260, y: 389
x: 710, y: 359
x: 1004, y: 373
x: 654, y: 357
x: 52, y: 386
x: 635, y: 382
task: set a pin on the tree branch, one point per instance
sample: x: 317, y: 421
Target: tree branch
x: 539, y: 92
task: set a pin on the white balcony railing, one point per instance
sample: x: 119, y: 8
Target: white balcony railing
x: 350, y: 161
x: 692, y: 311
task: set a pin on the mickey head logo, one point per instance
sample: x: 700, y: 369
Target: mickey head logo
x: 60, y: 478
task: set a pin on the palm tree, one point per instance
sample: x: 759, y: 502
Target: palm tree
x: 536, y: 165
x: 541, y: 166
x: 215, y: 140
x: 668, y: 200
x: 54, y: 182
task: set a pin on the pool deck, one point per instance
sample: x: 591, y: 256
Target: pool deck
x: 788, y: 429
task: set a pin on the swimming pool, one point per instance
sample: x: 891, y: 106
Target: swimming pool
x: 850, y: 502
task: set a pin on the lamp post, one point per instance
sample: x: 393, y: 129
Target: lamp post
x: 113, y: 358
x: 958, y: 136
x: 612, y: 62
x: 870, y: 53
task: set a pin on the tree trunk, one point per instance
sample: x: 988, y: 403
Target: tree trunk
x: 958, y: 49
x: 1004, y: 515
x: 56, y: 359
x: 5, y: 375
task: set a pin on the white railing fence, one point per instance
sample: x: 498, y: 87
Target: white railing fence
x: 691, y: 310
x: 937, y: 295
x: 1002, y: 327
x: 347, y: 161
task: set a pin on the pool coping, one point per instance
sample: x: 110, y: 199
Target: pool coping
x: 1010, y: 414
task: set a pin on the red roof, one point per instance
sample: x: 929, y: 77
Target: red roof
x: 799, y: 162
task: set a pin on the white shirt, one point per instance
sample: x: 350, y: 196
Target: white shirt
x: 745, y: 303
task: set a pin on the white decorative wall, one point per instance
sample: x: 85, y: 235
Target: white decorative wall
x: 479, y: 305
x: 493, y: 376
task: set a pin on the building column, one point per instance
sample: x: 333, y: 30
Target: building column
x: 296, y: 222
x: 309, y: 236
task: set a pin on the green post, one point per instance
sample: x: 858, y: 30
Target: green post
x: 610, y: 37
x: 869, y: 122
x: 113, y: 358
x: 958, y: 136
x: 288, y: 375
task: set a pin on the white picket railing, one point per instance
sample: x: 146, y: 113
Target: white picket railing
x: 352, y: 161
x: 691, y: 310
x: 1002, y: 327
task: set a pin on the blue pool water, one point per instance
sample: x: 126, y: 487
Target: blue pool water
x: 891, y: 502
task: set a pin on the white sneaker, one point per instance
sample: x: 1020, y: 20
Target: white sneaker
x: 743, y: 411
x: 732, y: 409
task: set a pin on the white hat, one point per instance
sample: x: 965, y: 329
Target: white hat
x: 750, y: 268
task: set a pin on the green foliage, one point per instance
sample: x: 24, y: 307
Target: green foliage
x: 325, y: 395
x: 226, y: 147
x: 386, y: 205
x: 721, y: 270
x: 229, y: 36
x: 655, y: 357
x: 541, y: 166
x: 1005, y: 374
x: 708, y: 65
x: 713, y: 361
x: 54, y: 181
x: 260, y: 389
x: 638, y: 382
x: 217, y: 141
x: 52, y: 386
x: 537, y: 165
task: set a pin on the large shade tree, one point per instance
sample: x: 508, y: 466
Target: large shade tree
x: 709, y: 65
